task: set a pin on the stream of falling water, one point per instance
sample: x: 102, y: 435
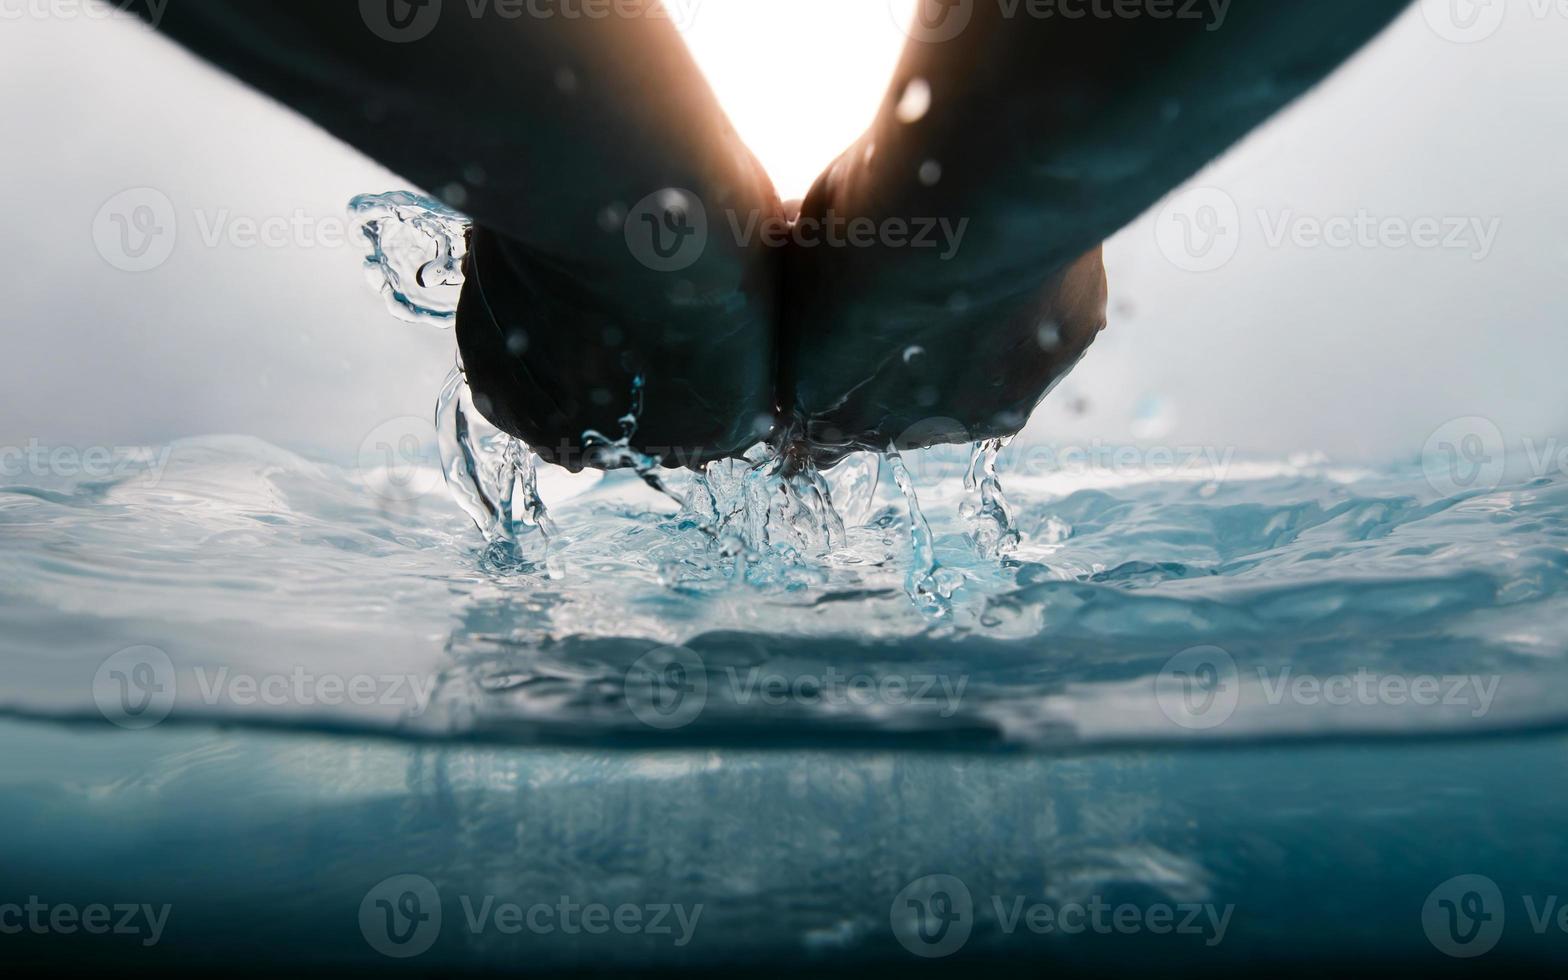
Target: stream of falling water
x: 760, y: 513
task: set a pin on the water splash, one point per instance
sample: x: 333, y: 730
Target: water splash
x: 993, y: 529
x: 417, y: 247
x: 617, y: 454
x: 492, y: 475
x: 924, y: 583
x: 768, y: 519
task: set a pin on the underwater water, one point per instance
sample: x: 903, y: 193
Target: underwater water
x: 267, y: 690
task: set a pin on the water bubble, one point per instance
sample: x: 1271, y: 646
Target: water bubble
x: 914, y: 353
x: 915, y: 102
x: 930, y: 173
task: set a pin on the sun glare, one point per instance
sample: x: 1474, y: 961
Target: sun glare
x: 800, y: 79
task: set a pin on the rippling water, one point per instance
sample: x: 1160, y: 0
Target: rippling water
x: 1286, y: 600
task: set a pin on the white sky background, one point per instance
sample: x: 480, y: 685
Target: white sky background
x: 1355, y: 352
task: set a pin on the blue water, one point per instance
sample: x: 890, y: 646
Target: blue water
x: 1301, y: 599
x: 600, y: 724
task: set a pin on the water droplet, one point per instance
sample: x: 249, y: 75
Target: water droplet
x: 911, y: 354
x: 517, y: 343
x: 613, y: 217
x: 1049, y: 335
x: 958, y: 303
x: 455, y: 195
x: 915, y: 102
x: 930, y: 173
x: 566, y: 81
x: 1153, y: 418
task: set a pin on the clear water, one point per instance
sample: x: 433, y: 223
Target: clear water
x: 240, y: 555
x: 428, y: 659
